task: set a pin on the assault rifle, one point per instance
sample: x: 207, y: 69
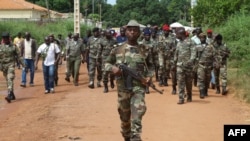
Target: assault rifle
x: 133, y: 74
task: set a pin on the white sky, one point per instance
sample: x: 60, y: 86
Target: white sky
x: 112, y: 2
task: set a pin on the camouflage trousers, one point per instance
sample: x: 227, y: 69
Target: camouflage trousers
x: 204, y: 76
x: 95, y: 64
x: 131, y: 108
x: 165, y: 70
x: 221, y: 73
x: 184, y: 80
x: 173, y: 75
x: 9, y: 75
x: 73, y: 67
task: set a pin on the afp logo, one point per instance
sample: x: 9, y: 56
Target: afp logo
x: 236, y: 132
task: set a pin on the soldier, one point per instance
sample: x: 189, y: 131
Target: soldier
x: 85, y: 41
x: 108, y: 44
x: 62, y: 47
x: 75, y: 54
x: 206, y: 57
x: 50, y: 54
x: 197, y: 41
x: 94, y: 50
x: 166, y: 44
x: 28, y: 52
x: 220, y: 68
x: 131, y: 102
x: 148, y: 42
x: 155, y: 52
x: 184, y: 58
x: 8, y: 55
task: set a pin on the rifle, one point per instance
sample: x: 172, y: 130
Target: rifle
x: 133, y: 74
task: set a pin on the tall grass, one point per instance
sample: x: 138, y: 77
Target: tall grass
x: 39, y: 30
x: 236, y: 33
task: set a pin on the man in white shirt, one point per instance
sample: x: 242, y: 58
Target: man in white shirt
x: 50, y: 54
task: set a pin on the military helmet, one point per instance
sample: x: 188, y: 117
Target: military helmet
x: 133, y: 23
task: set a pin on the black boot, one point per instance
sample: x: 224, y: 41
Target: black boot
x: 91, y: 85
x: 147, y: 90
x: 174, y: 89
x: 112, y: 85
x: 8, y: 98
x: 224, y: 90
x: 189, y: 97
x: 218, y: 90
x: 126, y: 139
x: 106, y: 89
x: 202, y: 93
x: 165, y: 81
x: 181, y: 101
x: 205, y: 94
x: 12, y: 95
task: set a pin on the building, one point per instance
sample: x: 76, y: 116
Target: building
x: 21, y: 9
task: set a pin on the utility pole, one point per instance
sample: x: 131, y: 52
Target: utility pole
x: 76, y: 16
x: 193, y: 4
x: 100, y: 5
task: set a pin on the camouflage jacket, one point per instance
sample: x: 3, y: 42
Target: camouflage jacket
x: 135, y: 57
x: 222, y: 53
x: 166, y: 47
x: 94, y: 47
x: 107, y: 46
x: 206, y: 54
x: 185, y: 53
x: 8, y: 54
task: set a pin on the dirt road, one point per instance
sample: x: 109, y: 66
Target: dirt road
x: 80, y: 113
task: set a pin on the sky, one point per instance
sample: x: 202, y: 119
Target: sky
x: 112, y: 2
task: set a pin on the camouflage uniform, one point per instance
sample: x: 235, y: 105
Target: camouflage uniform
x: 206, y: 56
x: 155, y: 52
x: 220, y: 69
x: 131, y: 102
x: 8, y: 55
x: 165, y: 45
x: 108, y: 45
x: 74, y: 50
x: 94, y: 49
x: 184, y: 57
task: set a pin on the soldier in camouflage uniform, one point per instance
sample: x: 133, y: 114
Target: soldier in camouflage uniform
x: 94, y: 50
x: 8, y: 55
x: 108, y: 44
x: 206, y: 57
x: 185, y: 55
x: 147, y: 41
x: 166, y: 44
x: 131, y: 102
x: 74, y: 56
x: 155, y: 52
x: 220, y: 68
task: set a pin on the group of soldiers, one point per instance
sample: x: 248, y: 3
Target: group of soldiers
x: 153, y: 52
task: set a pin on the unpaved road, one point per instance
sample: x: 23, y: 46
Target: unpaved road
x: 80, y: 113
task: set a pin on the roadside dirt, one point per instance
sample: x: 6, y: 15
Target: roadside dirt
x: 80, y: 113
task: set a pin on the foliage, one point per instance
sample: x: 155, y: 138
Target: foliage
x: 40, y: 30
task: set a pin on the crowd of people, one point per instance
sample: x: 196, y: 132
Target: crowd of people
x: 195, y: 59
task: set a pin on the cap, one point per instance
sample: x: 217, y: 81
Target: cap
x: 147, y: 31
x: 133, y: 23
x: 165, y: 27
x: 218, y: 37
x: 209, y: 31
x: 5, y: 34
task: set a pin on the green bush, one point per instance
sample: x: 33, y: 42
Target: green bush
x: 39, y: 30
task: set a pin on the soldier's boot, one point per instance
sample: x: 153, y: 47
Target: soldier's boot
x: 13, y: 97
x: 112, y: 85
x: 67, y: 79
x: 218, y: 90
x: 174, y: 89
x: 202, y: 93
x: 160, y: 81
x: 106, y: 89
x: 99, y: 84
x: 135, y: 138
x: 126, y: 139
x: 165, y: 81
x: 91, y: 85
x: 8, y: 98
x: 224, y: 90
x: 212, y: 86
x: 181, y: 101
x: 147, y: 90
x: 205, y: 93
x: 189, y: 97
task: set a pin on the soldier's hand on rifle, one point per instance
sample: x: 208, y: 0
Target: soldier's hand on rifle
x: 116, y: 70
